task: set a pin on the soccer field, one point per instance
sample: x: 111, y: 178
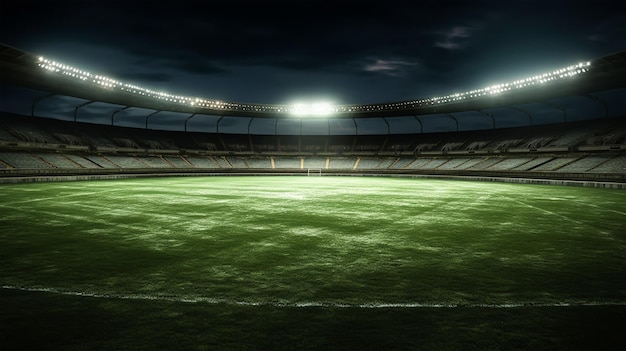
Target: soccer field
x: 291, y: 262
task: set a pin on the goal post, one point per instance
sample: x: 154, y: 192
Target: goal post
x: 313, y: 171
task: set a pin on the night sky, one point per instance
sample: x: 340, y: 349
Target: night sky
x: 347, y: 52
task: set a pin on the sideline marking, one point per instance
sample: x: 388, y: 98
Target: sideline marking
x: 603, y: 208
x: 290, y: 304
x: 550, y: 212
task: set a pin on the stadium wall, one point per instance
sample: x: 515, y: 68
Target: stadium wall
x: 116, y: 174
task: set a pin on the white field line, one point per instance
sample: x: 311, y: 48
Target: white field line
x: 549, y: 212
x: 601, y: 207
x: 305, y: 304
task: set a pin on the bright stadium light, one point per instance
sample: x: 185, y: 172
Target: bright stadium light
x: 321, y: 108
x: 299, y: 109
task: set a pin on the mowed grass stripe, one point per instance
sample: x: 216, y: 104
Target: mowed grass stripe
x: 327, y: 240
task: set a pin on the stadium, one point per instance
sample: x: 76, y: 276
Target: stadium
x: 487, y: 219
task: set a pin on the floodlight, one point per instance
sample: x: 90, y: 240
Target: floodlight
x: 312, y: 109
x: 299, y: 109
x: 321, y: 109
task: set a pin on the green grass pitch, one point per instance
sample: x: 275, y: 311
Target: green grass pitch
x: 304, y: 263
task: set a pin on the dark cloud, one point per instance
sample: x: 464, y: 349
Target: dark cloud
x: 457, y: 38
x: 389, y: 67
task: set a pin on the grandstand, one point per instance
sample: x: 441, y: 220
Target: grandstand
x: 551, y: 129
x: 584, y: 150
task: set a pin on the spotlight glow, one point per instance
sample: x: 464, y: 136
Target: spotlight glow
x: 321, y: 108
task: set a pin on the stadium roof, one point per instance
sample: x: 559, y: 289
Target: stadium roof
x: 28, y: 70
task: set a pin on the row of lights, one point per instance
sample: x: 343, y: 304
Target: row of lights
x: 319, y: 109
x: 110, y: 83
x: 562, y: 73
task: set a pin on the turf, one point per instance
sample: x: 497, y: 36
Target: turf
x: 311, y: 262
